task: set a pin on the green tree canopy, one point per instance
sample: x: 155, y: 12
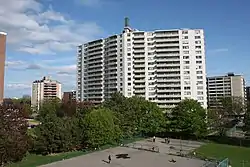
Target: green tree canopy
x: 100, y: 128
x: 136, y: 115
x: 189, y: 117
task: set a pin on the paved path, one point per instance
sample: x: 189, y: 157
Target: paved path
x: 137, y: 158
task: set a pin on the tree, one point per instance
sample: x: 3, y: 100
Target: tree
x: 153, y: 121
x: 13, y: 134
x: 225, y: 112
x: 136, y: 115
x: 100, y: 128
x: 189, y: 117
x: 56, y: 133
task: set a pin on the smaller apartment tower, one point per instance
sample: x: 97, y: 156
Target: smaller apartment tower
x: 45, y: 89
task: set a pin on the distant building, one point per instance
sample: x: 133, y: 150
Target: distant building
x: 2, y: 63
x: 69, y: 96
x: 230, y: 85
x: 26, y: 97
x: 45, y: 89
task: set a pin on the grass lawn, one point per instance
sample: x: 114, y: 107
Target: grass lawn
x: 235, y: 154
x: 32, y: 160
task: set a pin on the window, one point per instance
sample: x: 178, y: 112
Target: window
x: 151, y: 73
x: 129, y: 74
x: 187, y: 93
x: 200, y: 98
x: 197, y: 42
x: 199, y: 67
x: 150, y: 53
x: 198, y: 62
x: 198, y: 52
x: 186, y: 52
x: 187, y: 88
x: 151, y: 93
x: 200, y: 93
x: 199, y: 77
x: 129, y: 79
x: 129, y: 54
x: 129, y: 59
x: 129, y: 49
x: 129, y: 69
x: 197, y: 47
x: 185, y: 47
x: 184, y: 32
x: 151, y: 88
x: 129, y: 44
x: 185, y: 42
x: 197, y: 32
x: 129, y: 64
x: 128, y: 34
x: 199, y: 82
x: 198, y: 57
x: 129, y: 39
x: 186, y: 72
x: 186, y: 62
x: 197, y: 37
x: 186, y: 67
x: 187, y: 82
x: 185, y: 37
x: 200, y: 87
x: 185, y: 57
x: 198, y: 72
x: 150, y: 39
x: 187, y: 77
x: 129, y: 83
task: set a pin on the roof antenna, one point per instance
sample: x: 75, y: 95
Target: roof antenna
x: 126, y: 25
x: 126, y: 22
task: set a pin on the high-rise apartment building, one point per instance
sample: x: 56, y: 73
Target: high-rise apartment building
x: 163, y: 66
x: 45, y: 89
x: 2, y: 63
x: 230, y: 85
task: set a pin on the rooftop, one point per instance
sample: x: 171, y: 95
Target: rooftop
x: 3, y: 33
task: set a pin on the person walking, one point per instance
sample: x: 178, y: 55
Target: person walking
x: 154, y: 139
x: 109, y: 158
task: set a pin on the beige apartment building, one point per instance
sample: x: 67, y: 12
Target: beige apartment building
x: 2, y: 63
x: 230, y: 85
x: 43, y: 90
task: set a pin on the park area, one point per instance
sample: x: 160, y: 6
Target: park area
x: 145, y: 153
x: 238, y: 156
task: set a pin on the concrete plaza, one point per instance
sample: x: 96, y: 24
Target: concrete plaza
x: 131, y: 157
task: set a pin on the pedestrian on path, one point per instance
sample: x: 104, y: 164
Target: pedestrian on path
x: 154, y: 139
x: 109, y: 158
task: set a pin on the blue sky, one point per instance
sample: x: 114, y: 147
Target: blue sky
x: 42, y: 37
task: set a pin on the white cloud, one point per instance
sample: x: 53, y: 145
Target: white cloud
x: 32, y: 28
x: 18, y: 85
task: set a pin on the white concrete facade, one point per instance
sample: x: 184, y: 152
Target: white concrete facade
x: 45, y: 89
x: 164, y: 66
